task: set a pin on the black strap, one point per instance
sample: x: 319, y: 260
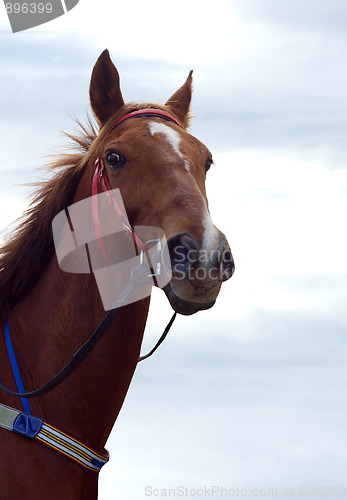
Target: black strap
x: 82, y: 353
x: 162, y: 338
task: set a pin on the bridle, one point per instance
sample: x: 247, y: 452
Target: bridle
x: 138, y: 277
x: 100, y: 178
x: 23, y: 422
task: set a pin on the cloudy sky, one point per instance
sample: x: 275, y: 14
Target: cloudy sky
x: 251, y: 394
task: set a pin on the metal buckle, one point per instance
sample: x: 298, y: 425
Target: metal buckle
x: 157, y: 257
x: 127, y: 228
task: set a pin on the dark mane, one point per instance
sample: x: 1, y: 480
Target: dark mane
x: 26, y: 254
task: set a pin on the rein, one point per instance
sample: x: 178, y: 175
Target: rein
x: 100, y: 177
x: 77, y: 359
x: 24, y: 423
x: 137, y: 278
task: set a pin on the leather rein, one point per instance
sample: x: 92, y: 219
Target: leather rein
x: 136, y: 279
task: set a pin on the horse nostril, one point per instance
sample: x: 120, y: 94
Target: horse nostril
x: 227, y: 257
x: 188, y: 242
x: 183, y: 252
x: 227, y: 265
x: 189, y: 246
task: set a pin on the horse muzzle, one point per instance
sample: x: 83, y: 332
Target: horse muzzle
x: 197, y: 272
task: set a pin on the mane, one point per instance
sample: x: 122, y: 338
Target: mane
x: 26, y: 253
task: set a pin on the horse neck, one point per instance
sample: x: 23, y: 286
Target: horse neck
x: 48, y: 326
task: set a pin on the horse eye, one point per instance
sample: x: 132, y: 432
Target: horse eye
x: 208, y: 164
x: 115, y: 160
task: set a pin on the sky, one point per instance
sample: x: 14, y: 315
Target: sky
x: 250, y: 395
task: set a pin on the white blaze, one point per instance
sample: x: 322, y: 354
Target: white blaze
x: 210, y: 240
x: 172, y: 137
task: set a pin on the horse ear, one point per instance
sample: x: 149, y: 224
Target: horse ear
x: 179, y: 102
x: 104, y: 91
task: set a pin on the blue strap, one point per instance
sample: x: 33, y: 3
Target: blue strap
x: 15, y: 367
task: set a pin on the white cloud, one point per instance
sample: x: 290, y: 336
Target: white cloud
x: 283, y: 218
x: 183, y: 32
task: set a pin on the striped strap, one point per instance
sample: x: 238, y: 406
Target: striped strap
x: 71, y: 448
x: 34, y: 428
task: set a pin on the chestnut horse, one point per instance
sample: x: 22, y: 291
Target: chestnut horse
x: 160, y: 170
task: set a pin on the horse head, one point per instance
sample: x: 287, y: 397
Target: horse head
x: 160, y: 169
